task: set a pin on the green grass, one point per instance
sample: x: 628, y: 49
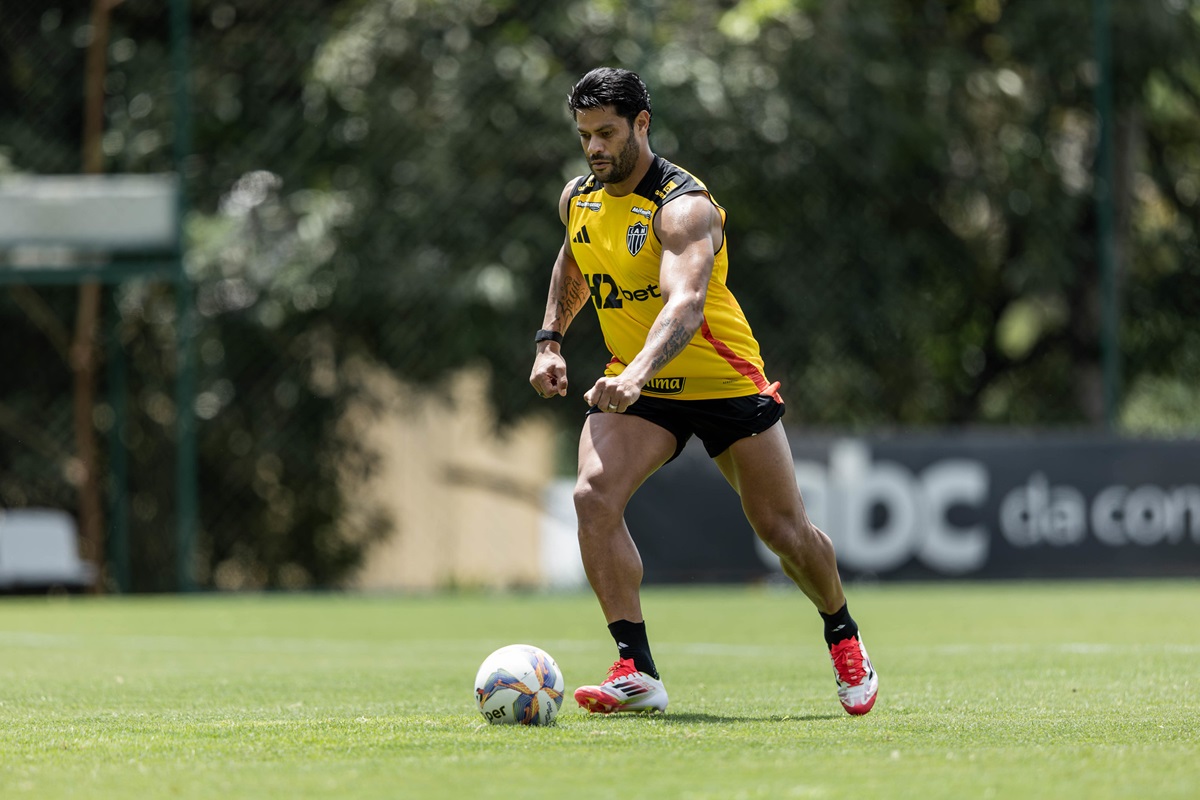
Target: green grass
x: 1055, y: 690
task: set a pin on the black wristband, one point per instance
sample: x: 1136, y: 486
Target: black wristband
x: 544, y: 335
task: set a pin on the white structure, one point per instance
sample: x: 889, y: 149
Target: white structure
x: 39, y: 549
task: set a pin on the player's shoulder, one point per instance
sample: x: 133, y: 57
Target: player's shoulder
x: 580, y: 185
x: 665, y: 181
x: 583, y: 184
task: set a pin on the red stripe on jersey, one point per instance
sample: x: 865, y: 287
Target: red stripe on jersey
x: 737, y: 362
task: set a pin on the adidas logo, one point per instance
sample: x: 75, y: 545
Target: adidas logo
x: 582, y: 237
x: 631, y: 688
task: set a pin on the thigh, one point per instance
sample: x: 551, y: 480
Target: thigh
x: 761, y: 469
x: 617, y: 452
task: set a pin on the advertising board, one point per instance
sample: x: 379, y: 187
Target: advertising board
x: 947, y: 505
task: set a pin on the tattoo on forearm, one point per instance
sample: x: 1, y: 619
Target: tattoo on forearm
x: 674, y: 337
x: 572, y: 294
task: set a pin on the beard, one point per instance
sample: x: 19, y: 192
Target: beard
x: 623, y: 163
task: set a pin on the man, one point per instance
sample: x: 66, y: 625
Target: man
x: 645, y: 241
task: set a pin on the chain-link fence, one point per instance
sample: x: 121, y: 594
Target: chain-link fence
x: 912, y: 227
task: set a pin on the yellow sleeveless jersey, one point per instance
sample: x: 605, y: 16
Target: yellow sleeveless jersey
x: 613, y: 242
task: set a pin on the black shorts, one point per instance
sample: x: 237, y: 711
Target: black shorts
x: 717, y: 423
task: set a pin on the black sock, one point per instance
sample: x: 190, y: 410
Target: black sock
x: 631, y: 643
x: 839, y: 625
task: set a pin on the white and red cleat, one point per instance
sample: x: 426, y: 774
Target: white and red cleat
x: 626, y: 690
x: 856, y: 679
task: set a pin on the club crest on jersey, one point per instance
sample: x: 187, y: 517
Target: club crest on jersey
x: 635, y: 237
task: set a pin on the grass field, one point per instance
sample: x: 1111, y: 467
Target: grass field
x: 1070, y: 690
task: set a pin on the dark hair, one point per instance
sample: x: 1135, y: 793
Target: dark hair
x: 609, y: 86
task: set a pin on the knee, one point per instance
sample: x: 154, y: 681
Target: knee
x: 593, y: 504
x: 787, y: 536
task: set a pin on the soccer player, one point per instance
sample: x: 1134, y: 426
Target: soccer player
x: 645, y: 242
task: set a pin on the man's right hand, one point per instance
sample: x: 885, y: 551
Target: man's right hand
x: 549, y: 375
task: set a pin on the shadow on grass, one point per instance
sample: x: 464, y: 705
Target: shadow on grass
x: 699, y: 717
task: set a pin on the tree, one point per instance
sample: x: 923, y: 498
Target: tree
x: 912, y: 227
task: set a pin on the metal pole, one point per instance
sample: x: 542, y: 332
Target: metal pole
x: 118, y: 448
x: 1105, y: 214
x: 86, y: 347
x: 186, y: 488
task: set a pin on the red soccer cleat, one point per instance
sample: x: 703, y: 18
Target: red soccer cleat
x: 856, y: 680
x: 624, y: 690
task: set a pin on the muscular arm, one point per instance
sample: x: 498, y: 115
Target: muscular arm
x: 687, y: 228
x: 568, y: 290
x: 568, y: 294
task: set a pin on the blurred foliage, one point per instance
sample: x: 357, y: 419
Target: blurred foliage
x: 912, y: 222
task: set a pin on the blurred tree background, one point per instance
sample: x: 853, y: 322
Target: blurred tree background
x: 910, y: 183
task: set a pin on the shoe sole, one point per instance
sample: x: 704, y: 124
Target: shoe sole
x: 863, y: 708
x: 596, y: 702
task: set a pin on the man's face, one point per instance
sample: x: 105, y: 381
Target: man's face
x: 609, y: 142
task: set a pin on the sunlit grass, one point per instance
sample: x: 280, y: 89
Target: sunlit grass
x: 1013, y: 690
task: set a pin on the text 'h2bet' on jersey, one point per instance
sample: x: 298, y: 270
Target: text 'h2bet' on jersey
x: 613, y: 242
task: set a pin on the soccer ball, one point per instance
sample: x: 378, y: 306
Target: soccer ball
x: 519, y: 685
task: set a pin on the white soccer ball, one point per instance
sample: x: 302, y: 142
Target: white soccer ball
x: 519, y: 685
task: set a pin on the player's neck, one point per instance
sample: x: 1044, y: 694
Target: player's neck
x: 645, y: 159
